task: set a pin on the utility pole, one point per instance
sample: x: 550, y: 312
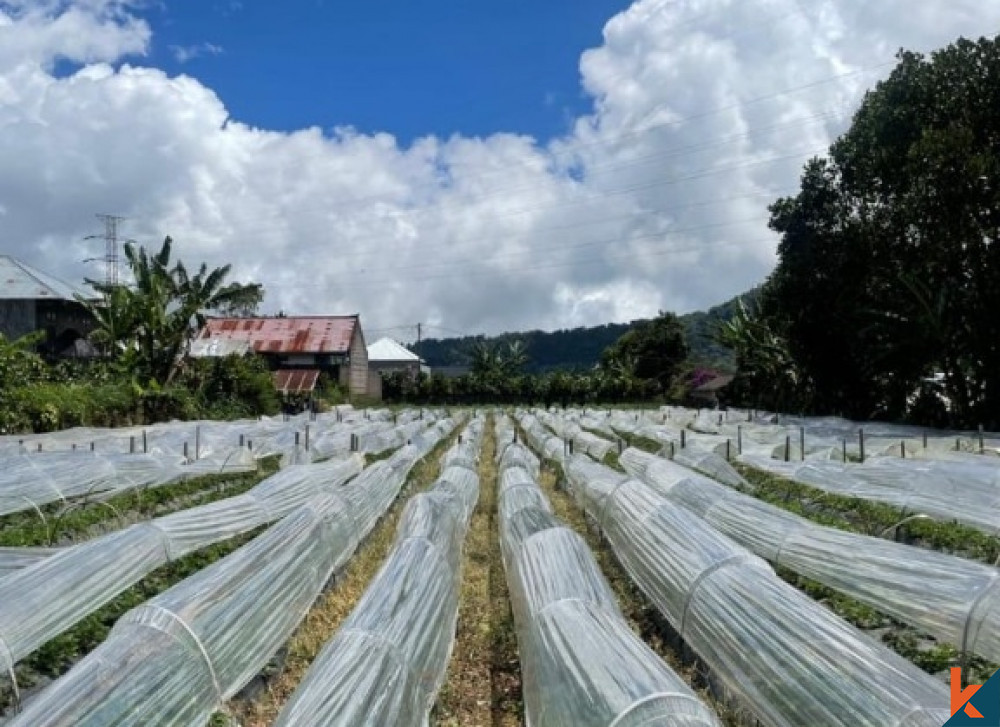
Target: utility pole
x: 419, y: 331
x: 110, y: 238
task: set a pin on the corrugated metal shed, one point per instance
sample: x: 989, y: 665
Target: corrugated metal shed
x: 291, y: 381
x: 20, y: 281
x: 299, y: 334
x: 386, y: 349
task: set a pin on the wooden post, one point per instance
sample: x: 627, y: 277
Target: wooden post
x: 788, y: 447
x: 185, y: 450
x: 844, y: 452
x: 307, y: 437
x: 250, y: 445
x: 39, y: 446
x: 74, y: 446
x: 802, y: 443
x: 982, y: 444
x: 92, y: 446
x: 728, y: 453
x: 958, y: 444
x: 902, y: 449
x: 131, y: 444
x: 671, y: 449
x: 925, y: 440
x: 296, y: 439
x: 145, y: 444
x: 739, y: 439
x: 861, y: 444
x: 683, y: 439
x: 197, y: 442
x: 621, y: 446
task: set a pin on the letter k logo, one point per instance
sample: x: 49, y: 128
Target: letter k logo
x: 960, y: 697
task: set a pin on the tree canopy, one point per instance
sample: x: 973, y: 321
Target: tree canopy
x: 889, y: 270
x: 149, y: 324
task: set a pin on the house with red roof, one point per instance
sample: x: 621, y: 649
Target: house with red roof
x: 297, y: 348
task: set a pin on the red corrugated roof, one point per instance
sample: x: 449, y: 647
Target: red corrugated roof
x: 300, y: 334
x: 290, y: 381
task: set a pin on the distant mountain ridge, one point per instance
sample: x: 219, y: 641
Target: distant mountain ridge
x: 579, y: 349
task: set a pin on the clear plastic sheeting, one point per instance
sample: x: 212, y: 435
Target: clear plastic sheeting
x: 386, y: 663
x: 41, y: 600
x: 787, y: 658
x: 711, y: 464
x: 12, y: 559
x: 581, y: 664
x: 907, y: 484
x: 179, y: 656
x: 950, y: 598
x: 583, y: 441
x: 541, y: 439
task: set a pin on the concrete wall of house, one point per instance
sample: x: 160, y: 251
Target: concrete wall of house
x: 354, y: 376
x: 17, y: 318
x: 358, y: 374
x: 64, y: 321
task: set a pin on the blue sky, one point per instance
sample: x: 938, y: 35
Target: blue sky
x: 408, y: 67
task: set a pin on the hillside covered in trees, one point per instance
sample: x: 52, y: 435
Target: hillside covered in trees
x: 580, y: 349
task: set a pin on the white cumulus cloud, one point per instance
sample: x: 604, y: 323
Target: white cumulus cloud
x: 703, y: 113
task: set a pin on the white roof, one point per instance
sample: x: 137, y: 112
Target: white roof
x: 19, y: 281
x: 385, y: 349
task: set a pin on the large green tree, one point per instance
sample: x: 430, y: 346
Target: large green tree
x: 889, y: 267
x: 149, y: 324
x: 652, y: 350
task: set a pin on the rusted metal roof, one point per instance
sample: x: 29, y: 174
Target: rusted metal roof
x: 292, y: 381
x: 298, y: 334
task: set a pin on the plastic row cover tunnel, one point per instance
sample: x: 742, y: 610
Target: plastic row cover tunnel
x: 581, y: 664
x: 176, y: 658
x: 31, y: 480
x: 951, y: 598
x: 386, y: 663
x: 788, y: 659
x: 541, y: 439
x: 43, y: 599
x: 910, y: 485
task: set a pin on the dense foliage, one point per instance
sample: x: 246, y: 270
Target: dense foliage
x: 143, y: 331
x: 580, y: 349
x: 889, y: 271
x: 644, y: 363
x: 147, y: 326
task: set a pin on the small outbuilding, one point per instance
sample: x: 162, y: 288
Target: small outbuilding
x: 387, y: 356
x: 297, y: 348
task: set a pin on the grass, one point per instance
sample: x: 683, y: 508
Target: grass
x: 84, y: 520
x: 483, y: 684
x: 640, y: 442
x: 334, y: 606
x: 869, y: 517
x: 924, y: 651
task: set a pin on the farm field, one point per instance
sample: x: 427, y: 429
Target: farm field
x: 496, y: 567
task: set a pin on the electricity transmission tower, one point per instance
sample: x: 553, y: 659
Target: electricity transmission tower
x: 110, y: 238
